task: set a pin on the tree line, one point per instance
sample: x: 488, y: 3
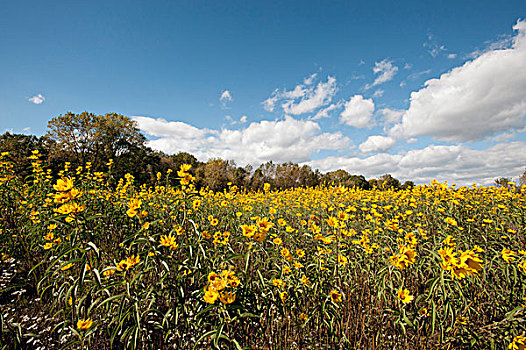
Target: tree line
x: 86, y: 137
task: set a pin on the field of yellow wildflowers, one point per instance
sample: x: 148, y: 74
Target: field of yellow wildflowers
x: 86, y: 264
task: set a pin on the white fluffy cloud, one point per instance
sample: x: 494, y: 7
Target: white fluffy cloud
x: 377, y: 143
x: 37, y: 99
x: 456, y: 163
x: 391, y: 115
x: 358, y: 112
x: 386, y: 71
x: 483, y: 97
x: 304, y: 98
x: 279, y: 141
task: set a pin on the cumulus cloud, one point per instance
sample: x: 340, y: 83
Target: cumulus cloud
x: 243, y: 119
x: 391, y: 116
x: 173, y: 137
x: 456, y: 163
x: 485, y: 96
x: 225, y: 98
x: 279, y: 140
x: 358, y: 112
x: 37, y: 99
x: 377, y: 143
x: 304, y: 98
x: 386, y: 72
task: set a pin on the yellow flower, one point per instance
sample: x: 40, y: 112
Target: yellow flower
x: 450, y: 241
x: 283, y: 296
x: 305, y: 280
x: 478, y: 249
x: 259, y: 237
x: 508, y: 255
x: 277, y: 241
x: 286, y: 254
x: 404, y: 296
x: 264, y: 225
x: 471, y: 261
x: 300, y: 252
x: 123, y: 265
x: 519, y: 343
x: 278, y: 283
x: 169, y: 241
x: 423, y: 312
x: 336, y: 296
x: 84, y: 324
x: 451, y: 221
x: 210, y: 296
x: 227, y: 297
x: 185, y: 167
x: 462, y: 320
x: 342, y: 259
x: 404, y: 258
x: 132, y: 260
x: 109, y: 272
x: 286, y: 269
x: 63, y: 185
x: 66, y: 267
x: 332, y: 221
x: 248, y: 230
x: 48, y: 245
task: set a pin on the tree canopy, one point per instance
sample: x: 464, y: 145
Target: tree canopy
x: 87, y: 137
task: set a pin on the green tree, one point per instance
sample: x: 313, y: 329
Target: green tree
x: 265, y: 173
x: 342, y: 177
x: 387, y: 181
x: 87, y: 137
x: 216, y: 174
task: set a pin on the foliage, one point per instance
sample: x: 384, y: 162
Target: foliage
x: 89, y: 138
x: 89, y: 265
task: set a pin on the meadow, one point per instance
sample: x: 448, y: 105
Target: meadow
x: 90, y: 261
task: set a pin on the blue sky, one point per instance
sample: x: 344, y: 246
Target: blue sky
x: 421, y: 90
